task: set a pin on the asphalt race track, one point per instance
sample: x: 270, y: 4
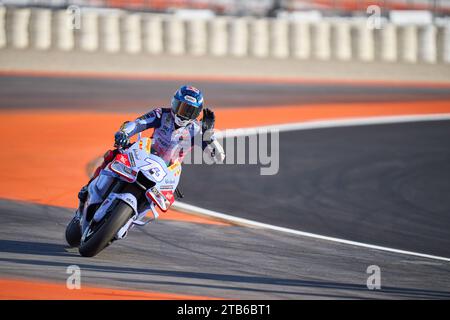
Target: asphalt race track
x: 125, y: 95
x: 384, y: 185
x: 387, y: 185
x: 225, y: 262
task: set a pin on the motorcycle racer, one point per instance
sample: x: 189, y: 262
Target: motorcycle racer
x: 175, y: 132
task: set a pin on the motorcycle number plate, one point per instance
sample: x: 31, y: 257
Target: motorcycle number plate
x: 155, y: 169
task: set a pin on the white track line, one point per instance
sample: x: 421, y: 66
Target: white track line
x: 307, y: 126
x: 321, y: 124
x: 188, y: 208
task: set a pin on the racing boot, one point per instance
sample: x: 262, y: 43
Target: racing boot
x: 82, y: 196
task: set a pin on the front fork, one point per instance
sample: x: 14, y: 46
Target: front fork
x: 95, y: 197
x: 138, y: 220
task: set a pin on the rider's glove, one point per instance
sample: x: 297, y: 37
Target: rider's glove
x: 121, y: 139
x: 208, y: 121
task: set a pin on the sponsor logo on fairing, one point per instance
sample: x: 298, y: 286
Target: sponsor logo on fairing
x: 169, y: 196
x: 136, y: 154
x: 169, y: 181
x: 131, y: 158
x: 123, y: 158
x: 148, y: 146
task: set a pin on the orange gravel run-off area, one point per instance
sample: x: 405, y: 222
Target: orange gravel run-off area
x: 14, y: 289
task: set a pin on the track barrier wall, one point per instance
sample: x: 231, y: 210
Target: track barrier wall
x: 115, y: 31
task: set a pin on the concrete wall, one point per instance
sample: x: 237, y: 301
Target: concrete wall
x: 119, y: 31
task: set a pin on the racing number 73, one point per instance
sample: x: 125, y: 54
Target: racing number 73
x: 155, y: 170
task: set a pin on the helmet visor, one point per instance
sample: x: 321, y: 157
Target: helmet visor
x: 185, y: 110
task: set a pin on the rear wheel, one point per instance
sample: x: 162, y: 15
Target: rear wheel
x: 73, y: 232
x: 101, y: 234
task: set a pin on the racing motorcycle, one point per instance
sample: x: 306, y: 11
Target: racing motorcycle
x: 125, y: 194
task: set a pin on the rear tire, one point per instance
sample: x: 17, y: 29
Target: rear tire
x: 102, y: 237
x: 73, y: 232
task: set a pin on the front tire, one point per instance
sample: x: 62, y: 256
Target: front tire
x: 73, y: 232
x: 108, y: 229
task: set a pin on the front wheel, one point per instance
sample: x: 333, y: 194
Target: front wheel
x: 73, y: 232
x: 101, y: 234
